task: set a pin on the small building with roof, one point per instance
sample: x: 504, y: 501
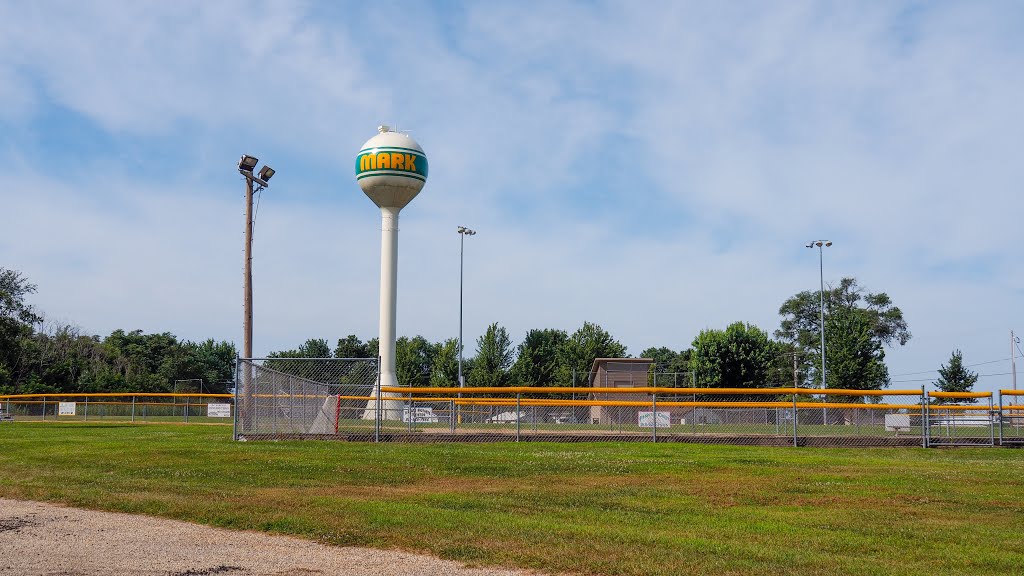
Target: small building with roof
x: 619, y: 373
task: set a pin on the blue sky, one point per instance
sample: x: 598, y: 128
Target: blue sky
x: 656, y: 168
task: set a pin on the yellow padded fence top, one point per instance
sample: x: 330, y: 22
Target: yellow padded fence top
x: 645, y: 390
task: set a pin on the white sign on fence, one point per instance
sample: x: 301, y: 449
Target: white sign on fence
x: 656, y: 419
x: 218, y: 410
x: 897, y: 422
x: 66, y: 409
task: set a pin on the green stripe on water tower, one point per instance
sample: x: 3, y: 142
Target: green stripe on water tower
x: 391, y: 161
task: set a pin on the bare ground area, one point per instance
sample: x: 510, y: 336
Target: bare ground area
x: 46, y: 539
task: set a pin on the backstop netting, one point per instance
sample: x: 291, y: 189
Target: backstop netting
x: 299, y: 397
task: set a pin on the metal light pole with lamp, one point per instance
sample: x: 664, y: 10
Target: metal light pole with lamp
x: 463, y: 232
x: 821, y: 245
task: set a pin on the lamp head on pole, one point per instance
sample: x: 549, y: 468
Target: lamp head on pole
x: 247, y: 163
x: 466, y: 231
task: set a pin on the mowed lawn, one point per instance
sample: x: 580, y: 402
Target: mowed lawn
x: 584, y: 508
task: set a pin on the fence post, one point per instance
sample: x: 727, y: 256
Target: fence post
x: 377, y: 418
x: 133, y: 409
x: 796, y: 416
x: 991, y: 423
x: 1000, y: 417
x: 451, y: 415
x: 518, y: 413
x: 44, y: 407
x: 926, y: 418
x: 927, y: 413
x: 693, y: 415
x: 186, y: 409
x: 654, y: 414
x: 412, y: 412
x: 86, y: 419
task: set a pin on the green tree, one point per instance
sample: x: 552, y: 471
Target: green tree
x: 13, y: 289
x: 537, y: 359
x: 953, y: 377
x: 670, y: 368
x: 444, y: 372
x: 579, y: 351
x: 213, y: 362
x: 855, y: 356
x: 876, y: 317
x: 413, y: 360
x: 146, y: 361
x: 494, y: 355
x: 352, y: 347
x: 741, y: 356
x: 17, y: 318
x: 311, y: 348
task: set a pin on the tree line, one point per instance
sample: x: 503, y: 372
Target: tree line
x: 40, y: 358
x: 859, y: 327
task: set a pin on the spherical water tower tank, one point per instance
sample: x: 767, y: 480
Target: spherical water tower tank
x: 391, y: 168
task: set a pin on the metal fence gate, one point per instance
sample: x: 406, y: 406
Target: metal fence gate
x: 1011, y: 418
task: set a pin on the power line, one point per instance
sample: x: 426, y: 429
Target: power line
x: 936, y: 370
x: 929, y: 379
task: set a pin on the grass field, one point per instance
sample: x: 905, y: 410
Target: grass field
x: 601, y: 508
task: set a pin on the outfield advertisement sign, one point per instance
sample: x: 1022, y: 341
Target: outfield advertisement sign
x: 218, y: 410
x: 655, y: 419
x: 66, y: 409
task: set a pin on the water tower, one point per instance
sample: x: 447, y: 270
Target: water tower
x: 391, y: 168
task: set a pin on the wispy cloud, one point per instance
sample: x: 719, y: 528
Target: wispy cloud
x: 655, y: 170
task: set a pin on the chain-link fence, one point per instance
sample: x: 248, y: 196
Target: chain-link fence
x: 961, y: 419
x: 118, y: 407
x: 341, y: 398
x: 1011, y: 417
x: 298, y: 397
x: 782, y: 416
x: 281, y: 398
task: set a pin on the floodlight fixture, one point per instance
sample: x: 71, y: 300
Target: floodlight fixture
x: 266, y: 173
x: 247, y: 163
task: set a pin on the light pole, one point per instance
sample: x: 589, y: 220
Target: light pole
x: 253, y: 184
x: 821, y: 244
x: 463, y: 232
x: 1014, y: 341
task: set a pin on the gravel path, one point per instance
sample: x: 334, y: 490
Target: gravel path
x: 45, y: 539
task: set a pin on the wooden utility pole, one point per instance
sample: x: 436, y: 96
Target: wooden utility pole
x: 245, y: 167
x: 247, y: 297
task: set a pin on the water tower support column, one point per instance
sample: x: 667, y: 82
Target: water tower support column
x: 392, y: 408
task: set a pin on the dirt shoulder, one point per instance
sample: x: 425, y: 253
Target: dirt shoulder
x: 46, y: 539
